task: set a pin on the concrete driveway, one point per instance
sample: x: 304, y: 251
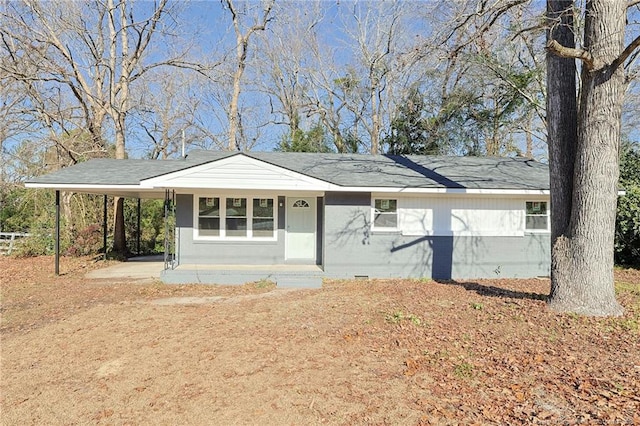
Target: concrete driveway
x: 143, y: 267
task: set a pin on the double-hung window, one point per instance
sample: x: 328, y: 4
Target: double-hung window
x: 262, y: 217
x: 209, y: 216
x: 236, y: 217
x: 385, y: 214
x: 536, y: 216
x: 239, y: 217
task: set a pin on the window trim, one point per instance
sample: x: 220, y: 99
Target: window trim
x: 223, y: 197
x: 547, y: 215
x: 375, y: 228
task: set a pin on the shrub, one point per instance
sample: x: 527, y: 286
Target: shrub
x: 87, y: 241
x: 627, y: 242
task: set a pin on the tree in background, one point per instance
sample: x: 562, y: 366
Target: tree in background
x: 237, y: 138
x: 410, y: 129
x: 79, y: 68
x: 627, y: 243
x: 313, y: 140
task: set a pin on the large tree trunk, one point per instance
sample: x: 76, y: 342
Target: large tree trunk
x: 119, y: 99
x: 584, y: 173
x: 119, y: 235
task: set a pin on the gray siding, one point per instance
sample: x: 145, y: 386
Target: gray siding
x: 348, y: 248
x: 351, y: 249
x: 222, y: 252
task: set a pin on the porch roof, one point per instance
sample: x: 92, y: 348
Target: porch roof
x: 340, y: 172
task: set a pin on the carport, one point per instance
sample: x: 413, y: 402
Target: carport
x: 111, y: 178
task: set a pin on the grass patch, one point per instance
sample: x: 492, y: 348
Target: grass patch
x: 398, y: 317
x: 464, y: 370
x: 624, y: 287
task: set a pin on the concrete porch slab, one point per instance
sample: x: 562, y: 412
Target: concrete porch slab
x: 285, y: 276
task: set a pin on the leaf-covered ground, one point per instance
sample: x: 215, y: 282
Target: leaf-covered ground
x: 78, y: 351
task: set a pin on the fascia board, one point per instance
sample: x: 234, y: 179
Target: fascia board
x: 470, y: 191
x: 85, y: 187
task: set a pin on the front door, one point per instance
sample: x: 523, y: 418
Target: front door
x: 301, y: 228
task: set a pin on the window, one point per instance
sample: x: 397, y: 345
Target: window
x: 239, y: 217
x: 209, y: 216
x: 537, y: 216
x: 385, y: 214
x: 262, y: 220
x: 301, y: 204
x: 236, y: 217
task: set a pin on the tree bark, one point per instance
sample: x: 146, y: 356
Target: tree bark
x: 583, y: 153
x: 119, y: 236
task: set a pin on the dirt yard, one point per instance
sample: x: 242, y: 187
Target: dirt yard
x: 79, y: 351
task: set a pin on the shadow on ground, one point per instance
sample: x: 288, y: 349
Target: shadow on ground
x: 493, y: 291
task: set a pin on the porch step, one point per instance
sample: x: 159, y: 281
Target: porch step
x: 298, y: 282
x: 283, y: 279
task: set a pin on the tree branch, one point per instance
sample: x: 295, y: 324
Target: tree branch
x: 632, y: 3
x: 627, y: 51
x: 573, y: 53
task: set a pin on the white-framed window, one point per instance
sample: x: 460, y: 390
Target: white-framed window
x: 209, y: 216
x: 262, y: 218
x: 385, y: 214
x: 240, y: 218
x: 536, y: 216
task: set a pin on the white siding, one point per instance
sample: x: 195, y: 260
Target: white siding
x: 239, y: 172
x: 415, y: 215
x: 486, y: 216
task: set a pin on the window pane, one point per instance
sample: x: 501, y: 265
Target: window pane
x: 236, y: 207
x: 385, y: 220
x: 386, y: 205
x: 209, y: 226
x: 209, y: 206
x: 302, y: 204
x: 262, y: 207
x: 537, y: 207
x: 263, y: 227
x: 236, y: 227
x: 537, y: 222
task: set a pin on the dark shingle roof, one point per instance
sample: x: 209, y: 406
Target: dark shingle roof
x: 352, y: 170
x: 415, y: 171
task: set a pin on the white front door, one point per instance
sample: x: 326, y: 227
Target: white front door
x: 301, y: 228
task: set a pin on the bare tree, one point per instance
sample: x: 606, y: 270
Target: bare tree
x: 286, y: 63
x: 169, y: 112
x: 243, y: 36
x: 89, y: 55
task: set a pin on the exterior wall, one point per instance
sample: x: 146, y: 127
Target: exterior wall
x: 458, y: 215
x: 235, y: 252
x: 348, y: 247
x: 222, y: 252
x: 353, y: 249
